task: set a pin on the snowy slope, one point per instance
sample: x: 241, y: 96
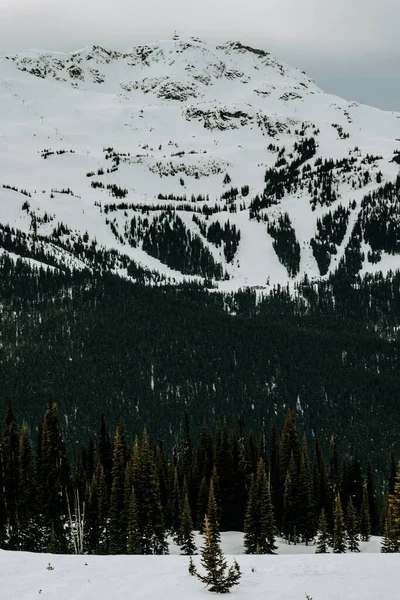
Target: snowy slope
x: 173, y: 118
x: 323, y: 577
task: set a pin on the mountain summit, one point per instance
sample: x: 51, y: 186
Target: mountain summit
x: 184, y: 160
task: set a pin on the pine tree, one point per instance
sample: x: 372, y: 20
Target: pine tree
x: 306, y: 519
x: 186, y: 536
x: 290, y: 445
x: 394, y: 505
x: 54, y: 480
x: 29, y: 538
x: 224, y: 466
x: 373, y: 509
x: 259, y: 522
x: 323, y: 536
x: 352, y: 528
x: 10, y: 451
x: 134, y: 537
x: 392, y: 470
x: 339, y: 533
x: 291, y: 502
x: 251, y: 520
x: 147, y: 491
x: 389, y: 541
x: 218, y: 577
x: 275, y: 482
x: 176, y: 508
x: 365, y: 521
x: 192, y: 567
x: 212, y: 512
x: 118, y: 509
x: 202, y: 501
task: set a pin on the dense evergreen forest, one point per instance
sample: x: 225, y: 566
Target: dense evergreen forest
x: 101, y: 343
x: 125, y: 493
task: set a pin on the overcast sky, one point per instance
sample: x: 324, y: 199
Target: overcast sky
x: 350, y: 47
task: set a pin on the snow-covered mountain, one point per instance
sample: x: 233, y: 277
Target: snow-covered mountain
x: 183, y: 160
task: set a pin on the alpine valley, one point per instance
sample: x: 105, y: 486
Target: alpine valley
x: 200, y: 228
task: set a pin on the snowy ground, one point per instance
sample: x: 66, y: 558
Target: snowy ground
x: 288, y: 576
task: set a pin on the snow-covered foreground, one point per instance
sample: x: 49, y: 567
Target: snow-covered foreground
x: 284, y: 577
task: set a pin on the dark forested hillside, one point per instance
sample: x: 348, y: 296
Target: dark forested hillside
x: 100, y: 343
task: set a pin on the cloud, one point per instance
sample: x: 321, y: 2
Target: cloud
x: 325, y: 25
x: 338, y: 35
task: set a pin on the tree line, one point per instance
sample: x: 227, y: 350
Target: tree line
x: 115, y: 495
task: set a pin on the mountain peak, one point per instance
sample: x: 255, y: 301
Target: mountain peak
x: 262, y: 177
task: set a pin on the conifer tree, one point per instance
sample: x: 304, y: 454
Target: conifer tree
x: 212, y: 512
x: 134, y: 537
x: 192, y: 567
x: 218, y: 577
x: 29, y: 538
x: 306, y: 514
x: 290, y: 445
x: 251, y: 521
x: 176, y: 509
x: 99, y: 491
x: 394, y: 504
x: 323, y: 536
x: 291, y: 502
x: 259, y: 523
x: 389, y: 540
x: 365, y: 521
x: 186, y: 535
x: 147, y: 492
x: 10, y: 452
x: 54, y: 480
x: 202, y: 501
x: 373, y: 508
x: 275, y: 482
x: 339, y: 533
x: 118, y: 512
x: 352, y: 528
x: 105, y: 452
x: 226, y: 475
x: 392, y: 470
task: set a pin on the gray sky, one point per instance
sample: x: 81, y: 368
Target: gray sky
x: 350, y: 47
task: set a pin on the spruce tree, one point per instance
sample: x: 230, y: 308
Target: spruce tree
x: 29, y: 536
x: 186, y: 535
x: 134, y: 536
x: 54, y: 480
x: 365, y: 521
x: 202, y: 501
x: 118, y: 508
x: 218, y: 577
x: 373, y: 508
x: 306, y: 519
x: 394, y: 504
x: 212, y: 512
x: 389, y: 540
x: 251, y: 521
x: 275, y: 481
x: 10, y: 451
x: 176, y: 508
x: 290, y: 445
x: 147, y: 491
x: 291, y: 502
x: 259, y: 524
x: 352, y: 537
x: 339, y: 532
x: 322, y: 536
